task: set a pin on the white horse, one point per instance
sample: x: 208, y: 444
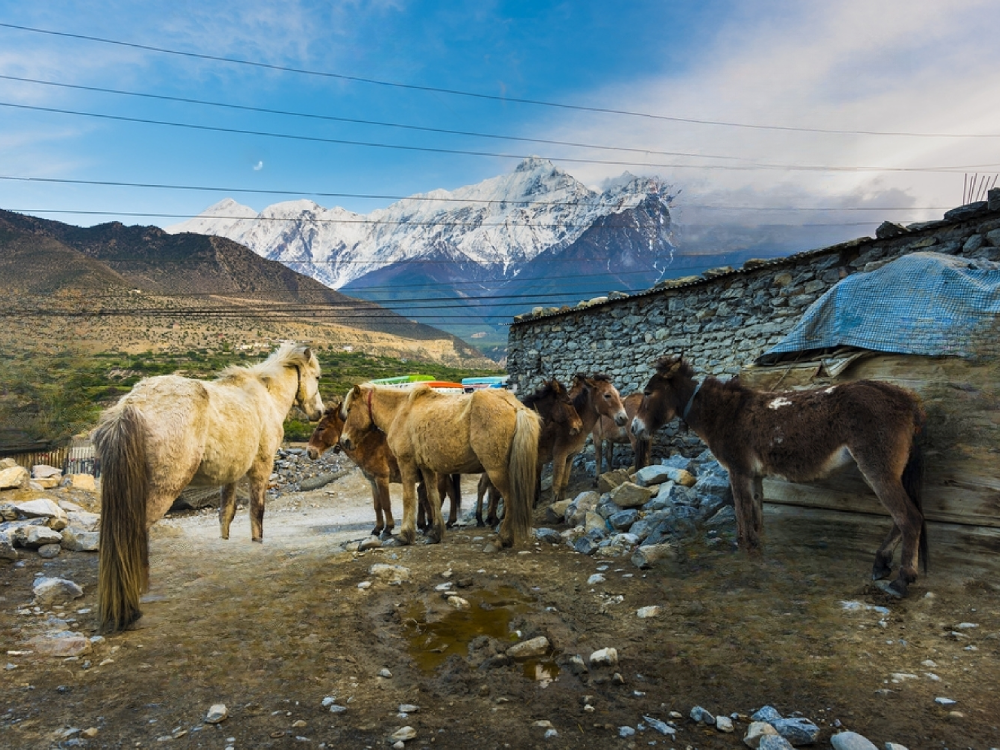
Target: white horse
x: 169, y: 432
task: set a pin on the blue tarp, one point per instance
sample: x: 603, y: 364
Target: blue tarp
x: 922, y: 303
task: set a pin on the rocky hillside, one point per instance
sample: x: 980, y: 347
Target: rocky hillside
x: 140, y: 288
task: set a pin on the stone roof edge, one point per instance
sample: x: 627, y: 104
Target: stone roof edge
x: 951, y: 218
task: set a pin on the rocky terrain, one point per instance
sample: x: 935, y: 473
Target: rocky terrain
x: 576, y: 640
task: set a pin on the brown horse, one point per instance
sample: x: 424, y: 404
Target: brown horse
x: 560, y: 426
x: 801, y: 436
x: 593, y: 396
x: 372, y: 455
x: 607, y: 433
x: 169, y: 432
x: 433, y: 433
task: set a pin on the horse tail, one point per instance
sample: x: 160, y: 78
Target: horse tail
x: 123, y: 561
x: 913, y: 478
x: 522, y: 470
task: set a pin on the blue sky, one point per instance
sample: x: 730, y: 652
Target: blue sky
x: 786, y: 68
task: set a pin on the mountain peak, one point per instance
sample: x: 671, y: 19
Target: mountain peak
x: 536, y: 164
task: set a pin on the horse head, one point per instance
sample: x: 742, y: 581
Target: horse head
x: 603, y: 396
x: 356, y: 413
x: 327, y: 432
x: 664, y: 396
x: 553, y: 404
x: 307, y: 396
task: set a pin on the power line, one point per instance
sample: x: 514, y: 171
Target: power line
x: 499, y: 155
x: 423, y: 198
x: 488, y: 97
x: 332, y: 118
x: 373, y: 222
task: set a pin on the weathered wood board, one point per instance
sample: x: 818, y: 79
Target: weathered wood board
x: 961, y: 441
x: 955, y: 551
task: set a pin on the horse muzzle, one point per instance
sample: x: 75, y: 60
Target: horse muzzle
x: 638, y: 427
x: 346, y: 443
x: 621, y: 418
x: 313, y: 452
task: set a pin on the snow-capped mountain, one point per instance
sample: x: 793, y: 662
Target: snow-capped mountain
x: 479, y: 241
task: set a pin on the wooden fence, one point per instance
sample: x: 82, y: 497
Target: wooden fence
x: 76, y: 458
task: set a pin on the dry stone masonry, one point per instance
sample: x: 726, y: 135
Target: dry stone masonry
x: 725, y: 318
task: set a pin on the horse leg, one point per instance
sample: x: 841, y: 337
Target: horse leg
x: 599, y: 457
x: 908, y: 522
x: 385, y: 503
x: 257, y: 488
x: 227, y: 508
x: 748, y: 519
x: 883, y: 556
x: 409, y: 476
x: 452, y: 484
x: 377, y: 505
x: 435, y: 525
x: 481, y: 489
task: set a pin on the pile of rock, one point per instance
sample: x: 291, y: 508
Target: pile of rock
x: 47, y: 527
x: 294, y: 471
x: 41, y: 477
x: 647, y: 514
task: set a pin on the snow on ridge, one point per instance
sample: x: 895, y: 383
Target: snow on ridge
x: 503, y: 221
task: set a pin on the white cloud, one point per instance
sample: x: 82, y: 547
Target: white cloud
x: 258, y: 166
x: 905, y: 66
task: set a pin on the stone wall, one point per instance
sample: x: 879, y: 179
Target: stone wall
x: 724, y: 319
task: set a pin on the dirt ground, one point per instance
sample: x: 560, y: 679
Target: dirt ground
x: 283, y: 632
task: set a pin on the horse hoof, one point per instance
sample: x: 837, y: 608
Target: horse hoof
x: 890, y: 589
x: 258, y: 539
x: 881, y: 571
x: 385, y: 534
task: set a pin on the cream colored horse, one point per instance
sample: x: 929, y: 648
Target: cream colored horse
x: 434, y: 433
x: 170, y: 432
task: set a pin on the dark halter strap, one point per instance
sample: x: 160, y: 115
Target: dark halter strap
x: 687, y: 407
x: 371, y: 416
x: 298, y: 388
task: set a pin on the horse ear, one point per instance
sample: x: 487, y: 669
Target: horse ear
x: 307, y: 353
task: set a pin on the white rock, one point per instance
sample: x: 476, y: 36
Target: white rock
x: 13, y: 477
x: 36, y: 536
x: 851, y: 741
x: 945, y: 701
x: 408, y: 708
x: 387, y: 572
x: 42, y: 507
x: 216, y: 713
x: 61, y: 644
x: 724, y: 724
x: 646, y: 612
x: 458, y: 602
x: 51, y: 591
x: 756, y: 731
x: 80, y: 482
x: 606, y: 657
x: 44, y: 471
x: 403, y: 734
x: 77, y: 540
x: 530, y: 648
x: 596, y: 578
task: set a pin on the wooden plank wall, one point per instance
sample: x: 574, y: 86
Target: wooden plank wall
x: 961, y: 441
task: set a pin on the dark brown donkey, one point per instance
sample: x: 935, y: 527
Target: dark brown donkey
x: 560, y: 427
x: 608, y: 434
x: 373, y: 457
x: 801, y: 436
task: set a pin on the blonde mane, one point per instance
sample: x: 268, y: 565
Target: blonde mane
x: 289, y: 354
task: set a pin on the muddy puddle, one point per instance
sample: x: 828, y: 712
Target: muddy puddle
x: 433, y: 637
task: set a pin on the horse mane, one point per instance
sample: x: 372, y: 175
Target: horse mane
x: 540, y: 394
x: 670, y: 366
x: 289, y: 354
